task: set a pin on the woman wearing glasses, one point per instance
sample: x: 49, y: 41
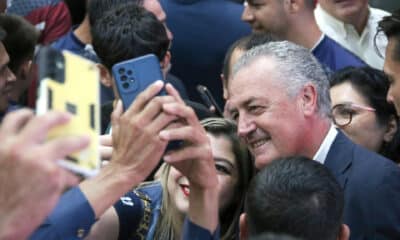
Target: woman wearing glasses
x: 360, y: 109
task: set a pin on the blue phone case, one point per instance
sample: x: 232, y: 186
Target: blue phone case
x: 135, y: 75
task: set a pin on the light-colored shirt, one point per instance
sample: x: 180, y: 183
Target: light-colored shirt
x: 323, y: 150
x: 345, y: 34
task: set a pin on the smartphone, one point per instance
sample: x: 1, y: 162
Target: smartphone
x: 135, y: 75
x: 70, y: 83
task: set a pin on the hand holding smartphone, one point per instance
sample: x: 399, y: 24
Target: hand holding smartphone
x: 135, y: 75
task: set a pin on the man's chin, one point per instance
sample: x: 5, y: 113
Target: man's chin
x: 262, y: 161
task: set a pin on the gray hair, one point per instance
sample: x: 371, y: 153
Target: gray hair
x: 295, y: 67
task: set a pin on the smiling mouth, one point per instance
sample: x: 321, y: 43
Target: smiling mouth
x: 185, y: 189
x: 259, y: 143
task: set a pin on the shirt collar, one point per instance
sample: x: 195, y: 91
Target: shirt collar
x: 323, y: 150
x: 318, y: 42
x: 335, y: 23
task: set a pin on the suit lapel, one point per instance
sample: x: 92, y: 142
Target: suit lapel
x: 340, y: 158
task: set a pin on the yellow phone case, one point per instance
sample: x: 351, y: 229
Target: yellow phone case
x: 78, y: 93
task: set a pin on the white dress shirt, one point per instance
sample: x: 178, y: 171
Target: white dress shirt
x: 347, y: 35
x: 323, y: 150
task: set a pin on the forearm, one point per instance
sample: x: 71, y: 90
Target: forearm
x: 203, y: 208
x: 103, y: 190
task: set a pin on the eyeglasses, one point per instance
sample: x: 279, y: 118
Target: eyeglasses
x: 342, y: 114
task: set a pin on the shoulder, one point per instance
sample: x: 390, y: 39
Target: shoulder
x: 376, y: 13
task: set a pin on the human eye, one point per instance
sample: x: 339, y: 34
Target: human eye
x: 234, y: 115
x: 344, y: 111
x: 255, y: 109
x: 222, y: 169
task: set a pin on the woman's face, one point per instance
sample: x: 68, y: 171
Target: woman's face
x: 364, y: 128
x: 178, y: 185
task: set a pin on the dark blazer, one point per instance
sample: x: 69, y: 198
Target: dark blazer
x: 371, y: 186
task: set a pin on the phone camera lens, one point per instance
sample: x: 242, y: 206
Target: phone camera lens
x: 129, y: 72
x: 125, y: 85
x: 124, y: 78
x: 121, y: 70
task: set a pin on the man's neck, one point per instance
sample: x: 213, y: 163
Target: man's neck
x: 306, y: 38
x: 82, y: 32
x: 360, y: 20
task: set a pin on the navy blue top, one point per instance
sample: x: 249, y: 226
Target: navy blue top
x: 334, y: 56
x: 73, y: 217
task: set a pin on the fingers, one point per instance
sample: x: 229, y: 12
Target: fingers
x: 185, y: 133
x: 183, y: 111
x: 105, y: 152
x: 38, y: 127
x: 154, y: 107
x: 15, y: 120
x: 106, y: 147
x: 161, y: 122
x: 106, y: 140
x: 115, y: 115
x: 144, y: 97
x: 173, y: 92
x: 68, y: 179
x: 60, y: 147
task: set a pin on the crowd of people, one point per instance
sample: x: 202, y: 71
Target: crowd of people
x: 307, y: 148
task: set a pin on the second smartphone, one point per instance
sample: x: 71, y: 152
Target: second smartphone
x: 134, y: 75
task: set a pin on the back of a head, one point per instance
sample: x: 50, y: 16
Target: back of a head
x: 96, y: 8
x: 295, y: 196
x: 245, y: 43
x: 271, y: 236
x: 20, y: 41
x: 390, y: 26
x: 127, y: 31
x: 295, y: 68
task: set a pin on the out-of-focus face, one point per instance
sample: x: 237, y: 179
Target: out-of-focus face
x: 269, y: 121
x: 344, y: 10
x: 23, y: 75
x: 155, y: 7
x: 266, y: 16
x: 392, y: 69
x: 364, y: 128
x: 178, y: 185
x: 6, y: 76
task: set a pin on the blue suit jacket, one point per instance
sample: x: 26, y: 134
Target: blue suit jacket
x: 371, y: 186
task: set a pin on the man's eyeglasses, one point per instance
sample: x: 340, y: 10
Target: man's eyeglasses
x: 342, y: 114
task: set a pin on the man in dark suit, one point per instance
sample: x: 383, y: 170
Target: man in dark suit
x: 278, y: 95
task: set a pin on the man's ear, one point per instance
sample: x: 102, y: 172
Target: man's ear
x: 293, y: 6
x: 166, y: 62
x: 391, y: 129
x: 243, y: 231
x: 308, y: 99
x: 224, y: 87
x: 105, y: 75
x: 344, y: 233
